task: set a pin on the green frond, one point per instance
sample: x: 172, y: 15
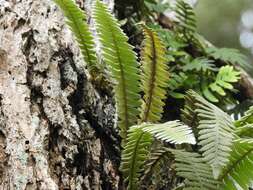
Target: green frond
x: 154, y: 77
x: 139, y: 139
x: 244, y: 126
x: 227, y: 55
x: 175, y: 82
x: 238, y: 174
x: 200, y: 64
x: 245, y: 131
x: 135, y: 153
x: 188, y: 113
x: 224, y: 81
x: 121, y: 59
x: 246, y: 119
x: 172, y: 132
x: 197, y: 173
x: 186, y: 17
x: 76, y: 20
x: 216, y: 133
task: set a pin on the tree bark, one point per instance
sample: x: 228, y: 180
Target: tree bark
x: 56, y: 128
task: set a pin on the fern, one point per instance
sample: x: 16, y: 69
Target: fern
x: 172, y: 131
x: 119, y: 55
x: 245, y: 124
x: 224, y: 80
x: 76, y: 20
x: 154, y: 77
x: 200, y: 64
x: 197, y: 174
x: 239, y: 171
x: 186, y: 17
x: 176, y: 81
x: 140, y: 138
x: 216, y: 133
x: 227, y: 55
x: 134, y: 155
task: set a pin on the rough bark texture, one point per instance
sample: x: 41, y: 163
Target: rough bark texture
x: 56, y: 128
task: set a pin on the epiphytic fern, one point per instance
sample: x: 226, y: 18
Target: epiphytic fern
x: 122, y: 62
x: 154, y: 77
x: 216, y: 133
x: 195, y: 170
x: 139, y: 139
x: 186, y: 17
x: 227, y: 55
x: 76, y: 20
x: 238, y: 174
x: 224, y: 80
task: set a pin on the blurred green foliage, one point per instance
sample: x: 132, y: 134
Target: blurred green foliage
x: 219, y: 21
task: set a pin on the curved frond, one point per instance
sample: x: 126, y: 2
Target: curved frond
x: 172, y: 132
x: 197, y: 173
x: 122, y: 62
x: 135, y: 153
x: 216, y: 133
x: 239, y: 171
x: 200, y: 64
x: 76, y: 20
x: 228, y: 55
x: 154, y: 77
x: 186, y: 17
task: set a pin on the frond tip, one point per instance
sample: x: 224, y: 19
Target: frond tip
x: 76, y: 20
x: 172, y: 132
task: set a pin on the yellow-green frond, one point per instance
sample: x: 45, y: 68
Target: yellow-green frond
x: 76, y: 20
x: 122, y: 62
x: 154, y: 77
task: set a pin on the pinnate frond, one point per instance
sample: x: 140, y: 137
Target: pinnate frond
x: 197, y: 173
x: 216, y: 133
x: 76, y: 20
x: 238, y: 174
x: 122, y: 62
x: 155, y: 77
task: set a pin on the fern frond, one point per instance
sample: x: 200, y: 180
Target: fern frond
x: 216, y: 133
x: 224, y: 81
x: 154, y: 77
x: 238, y: 174
x: 245, y: 124
x: 121, y: 59
x: 140, y: 138
x: 77, y: 22
x: 227, y: 55
x: 176, y: 81
x: 246, y: 119
x: 172, y: 132
x: 186, y: 17
x: 197, y: 173
x: 188, y: 113
x: 135, y: 153
x: 200, y: 64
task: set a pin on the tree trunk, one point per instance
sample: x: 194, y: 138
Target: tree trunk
x: 56, y: 128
